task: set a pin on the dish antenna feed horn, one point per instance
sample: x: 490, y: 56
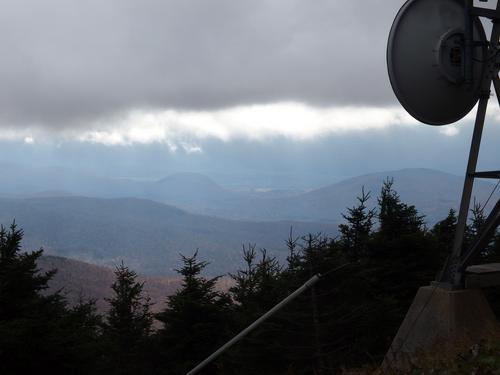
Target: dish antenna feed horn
x: 440, y: 66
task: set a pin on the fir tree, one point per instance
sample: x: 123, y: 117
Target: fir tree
x: 81, y: 334
x: 356, y: 232
x: 196, y: 321
x: 473, y: 230
x: 38, y: 334
x: 128, y: 324
x: 444, y: 235
x: 258, y: 287
x: 444, y: 231
x: 395, y: 217
x: 246, y: 283
x: 402, y: 256
x: 20, y: 280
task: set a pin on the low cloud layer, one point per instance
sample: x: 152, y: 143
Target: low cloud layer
x: 257, y: 122
x: 68, y: 63
x: 188, y: 130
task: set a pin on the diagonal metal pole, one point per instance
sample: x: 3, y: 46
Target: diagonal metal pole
x: 308, y: 284
x: 313, y: 280
x: 489, y: 229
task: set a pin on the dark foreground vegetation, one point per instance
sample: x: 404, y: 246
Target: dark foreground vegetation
x: 346, y: 321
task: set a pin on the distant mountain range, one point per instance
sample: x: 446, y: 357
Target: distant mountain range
x: 149, y: 235
x: 432, y: 192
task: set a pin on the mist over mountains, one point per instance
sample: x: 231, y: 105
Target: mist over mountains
x: 433, y: 192
x: 148, y: 223
x: 148, y: 236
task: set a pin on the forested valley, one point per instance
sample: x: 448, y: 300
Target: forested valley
x: 346, y: 321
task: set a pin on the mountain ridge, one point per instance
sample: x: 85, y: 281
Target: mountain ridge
x: 433, y: 192
x: 147, y: 235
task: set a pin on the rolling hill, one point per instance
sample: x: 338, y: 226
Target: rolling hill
x: 78, y: 280
x: 148, y: 236
x: 432, y: 192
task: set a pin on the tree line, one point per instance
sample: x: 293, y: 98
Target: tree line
x: 346, y: 320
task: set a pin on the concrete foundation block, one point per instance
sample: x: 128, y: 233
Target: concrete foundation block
x: 439, y: 315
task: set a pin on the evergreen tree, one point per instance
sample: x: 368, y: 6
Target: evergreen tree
x: 37, y: 331
x: 395, y: 217
x: 402, y: 256
x: 444, y: 232
x: 258, y: 287
x: 355, y: 233
x: 246, y: 284
x: 473, y: 230
x: 196, y: 321
x: 305, y: 320
x: 255, y: 286
x: 478, y: 218
x: 329, y: 326
x: 22, y: 305
x: 20, y: 280
x: 80, y: 334
x: 128, y: 324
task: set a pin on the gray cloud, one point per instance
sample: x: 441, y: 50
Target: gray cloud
x: 67, y: 61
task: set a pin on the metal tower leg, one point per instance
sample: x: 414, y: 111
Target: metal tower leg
x: 450, y: 267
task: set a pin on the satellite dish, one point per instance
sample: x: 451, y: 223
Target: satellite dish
x: 426, y: 63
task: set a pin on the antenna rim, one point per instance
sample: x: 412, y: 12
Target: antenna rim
x: 424, y: 118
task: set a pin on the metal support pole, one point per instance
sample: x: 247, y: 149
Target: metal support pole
x: 309, y: 283
x: 450, y: 267
x: 469, y: 177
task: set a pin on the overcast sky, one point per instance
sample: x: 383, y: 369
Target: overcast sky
x: 67, y: 63
x: 182, y: 74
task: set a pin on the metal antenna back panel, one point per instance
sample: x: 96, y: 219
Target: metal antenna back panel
x: 425, y: 59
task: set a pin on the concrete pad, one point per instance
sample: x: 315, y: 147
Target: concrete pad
x: 482, y: 276
x: 439, y: 315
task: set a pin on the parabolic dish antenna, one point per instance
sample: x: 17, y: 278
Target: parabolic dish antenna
x: 425, y: 59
